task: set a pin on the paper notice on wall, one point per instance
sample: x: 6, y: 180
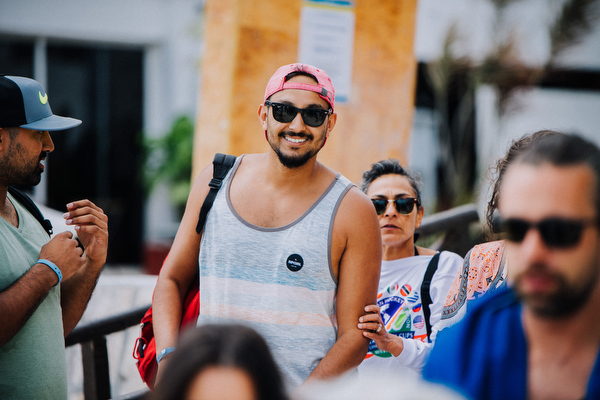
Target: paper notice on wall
x: 327, y: 41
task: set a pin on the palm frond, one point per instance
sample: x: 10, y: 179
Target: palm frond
x: 572, y: 23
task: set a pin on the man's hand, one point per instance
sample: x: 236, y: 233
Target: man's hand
x: 91, y: 225
x: 62, y: 250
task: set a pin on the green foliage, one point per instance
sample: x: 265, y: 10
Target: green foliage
x: 168, y: 159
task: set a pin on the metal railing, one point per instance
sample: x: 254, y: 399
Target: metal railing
x: 94, y: 353
x: 452, y: 225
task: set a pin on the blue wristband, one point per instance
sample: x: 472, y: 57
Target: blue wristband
x: 163, y: 353
x: 53, y: 267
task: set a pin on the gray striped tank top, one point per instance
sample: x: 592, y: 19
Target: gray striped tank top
x: 279, y: 280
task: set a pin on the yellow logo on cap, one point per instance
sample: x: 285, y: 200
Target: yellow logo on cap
x: 44, y: 98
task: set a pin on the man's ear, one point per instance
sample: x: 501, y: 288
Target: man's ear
x: 4, y: 139
x: 262, y: 115
x: 331, y: 120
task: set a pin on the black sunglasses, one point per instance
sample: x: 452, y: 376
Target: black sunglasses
x: 555, y: 232
x: 404, y: 205
x: 285, y: 113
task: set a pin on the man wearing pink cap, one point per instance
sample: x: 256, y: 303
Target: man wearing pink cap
x: 290, y: 247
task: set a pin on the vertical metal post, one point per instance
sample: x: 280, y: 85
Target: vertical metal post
x: 96, y: 379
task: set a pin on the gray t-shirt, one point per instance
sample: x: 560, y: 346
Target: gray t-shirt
x: 33, y: 362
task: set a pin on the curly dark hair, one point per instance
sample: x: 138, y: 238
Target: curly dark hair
x: 517, y: 147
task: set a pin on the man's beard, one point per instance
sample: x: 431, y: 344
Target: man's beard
x: 296, y: 160
x: 566, y: 300
x: 291, y: 161
x: 17, y: 171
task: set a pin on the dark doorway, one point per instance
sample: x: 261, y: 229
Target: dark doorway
x: 98, y: 159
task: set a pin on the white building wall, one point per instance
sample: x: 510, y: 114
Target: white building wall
x: 169, y: 31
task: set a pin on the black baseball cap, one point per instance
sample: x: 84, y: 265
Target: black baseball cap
x: 24, y: 103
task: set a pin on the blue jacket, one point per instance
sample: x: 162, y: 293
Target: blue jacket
x: 485, y: 355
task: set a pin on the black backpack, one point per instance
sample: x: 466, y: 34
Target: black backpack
x: 32, y: 208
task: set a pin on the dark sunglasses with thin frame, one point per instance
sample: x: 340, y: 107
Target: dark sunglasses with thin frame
x: 404, y: 205
x: 286, y: 113
x: 555, y: 232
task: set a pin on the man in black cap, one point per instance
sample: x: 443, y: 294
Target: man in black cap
x: 45, y: 283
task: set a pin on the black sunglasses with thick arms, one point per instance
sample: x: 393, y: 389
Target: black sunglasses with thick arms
x: 555, y: 232
x: 286, y: 113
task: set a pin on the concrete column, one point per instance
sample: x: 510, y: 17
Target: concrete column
x: 247, y: 40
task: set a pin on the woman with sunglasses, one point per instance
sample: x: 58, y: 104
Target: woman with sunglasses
x: 400, y: 324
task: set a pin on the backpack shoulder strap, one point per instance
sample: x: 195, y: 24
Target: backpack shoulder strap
x: 32, y: 208
x: 425, y: 296
x: 222, y: 163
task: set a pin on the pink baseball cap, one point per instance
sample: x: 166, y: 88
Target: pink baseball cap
x: 324, y: 87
